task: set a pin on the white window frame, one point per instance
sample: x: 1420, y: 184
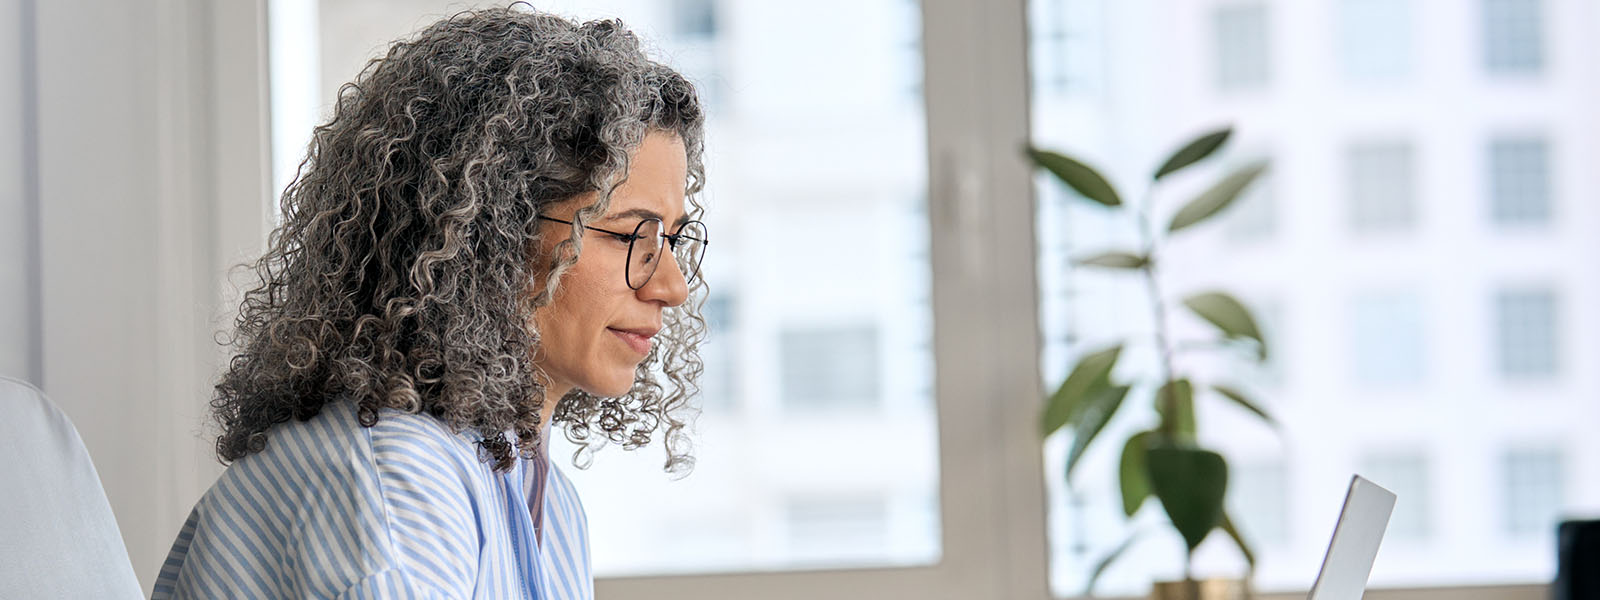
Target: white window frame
x: 986, y: 337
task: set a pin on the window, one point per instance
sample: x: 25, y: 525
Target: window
x: 694, y: 19
x: 907, y: 40
x: 1375, y: 39
x: 694, y: 47
x: 1254, y: 216
x: 1258, y: 492
x: 1387, y: 346
x: 1519, y: 181
x: 717, y: 383
x: 1533, y: 484
x: 1382, y: 186
x: 1513, y: 36
x: 1067, y: 43
x: 803, y: 333
x: 1241, y: 34
x: 1268, y: 375
x: 830, y: 368
x: 1376, y: 191
x: 1525, y: 333
x: 1406, y: 474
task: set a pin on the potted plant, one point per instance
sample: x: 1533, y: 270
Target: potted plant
x: 1167, y: 461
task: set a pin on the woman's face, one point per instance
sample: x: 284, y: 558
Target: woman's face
x: 596, y: 329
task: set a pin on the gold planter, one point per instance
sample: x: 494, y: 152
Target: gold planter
x: 1204, y: 589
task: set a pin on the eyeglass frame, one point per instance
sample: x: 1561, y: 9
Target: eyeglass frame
x: 667, y: 240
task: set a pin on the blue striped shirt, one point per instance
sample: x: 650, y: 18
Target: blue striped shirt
x: 403, y: 509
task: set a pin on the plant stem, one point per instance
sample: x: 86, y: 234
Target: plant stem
x: 1169, y: 399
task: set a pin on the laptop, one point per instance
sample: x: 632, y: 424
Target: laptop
x: 1356, y: 537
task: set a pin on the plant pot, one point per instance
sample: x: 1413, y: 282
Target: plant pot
x: 1204, y: 589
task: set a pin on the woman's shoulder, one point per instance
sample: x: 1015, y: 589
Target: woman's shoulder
x: 397, y: 495
x: 334, y: 440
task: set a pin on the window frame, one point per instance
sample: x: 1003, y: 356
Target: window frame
x: 986, y: 336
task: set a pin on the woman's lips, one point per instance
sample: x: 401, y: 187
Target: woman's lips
x: 639, y: 343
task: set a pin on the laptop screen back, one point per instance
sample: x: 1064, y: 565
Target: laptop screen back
x: 1355, y: 542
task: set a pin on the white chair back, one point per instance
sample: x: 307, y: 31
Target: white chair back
x: 58, y: 538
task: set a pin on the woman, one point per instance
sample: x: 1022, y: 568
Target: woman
x: 489, y: 236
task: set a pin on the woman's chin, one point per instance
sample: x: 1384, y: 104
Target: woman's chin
x: 612, y: 389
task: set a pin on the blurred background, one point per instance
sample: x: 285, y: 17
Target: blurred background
x: 1419, y: 255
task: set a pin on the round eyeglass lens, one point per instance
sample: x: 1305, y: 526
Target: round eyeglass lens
x: 690, y: 248
x: 643, y: 252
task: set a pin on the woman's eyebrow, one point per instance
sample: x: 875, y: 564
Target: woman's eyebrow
x: 645, y: 213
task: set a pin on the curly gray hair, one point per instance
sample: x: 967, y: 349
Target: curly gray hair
x: 407, y: 266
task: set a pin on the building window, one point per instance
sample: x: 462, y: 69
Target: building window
x: 906, y: 36
x: 1519, y: 181
x: 830, y: 368
x: 694, y: 19
x: 1525, y: 331
x: 1254, y: 216
x: 1242, y: 46
x: 1382, y: 186
x: 1513, y: 36
x: 1258, y: 494
x: 1375, y: 39
x: 1533, y: 492
x: 1405, y: 474
x: 830, y: 528
x: 717, y: 353
x: 694, y: 47
x: 1067, y: 38
x: 1388, y: 345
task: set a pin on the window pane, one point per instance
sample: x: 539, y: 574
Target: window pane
x: 1513, y: 33
x: 1533, y: 483
x: 818, y: 440
x: 1519, y: 186
x: 1388, y: 339
x: 1382, y: 184
x: 1375, y: 39
x: 1242, y: 46
x: 1525, y: 328
x: 1405, y: 474
x: 833, y: 368
x: 1415, y: 261
x: 1261, y: 500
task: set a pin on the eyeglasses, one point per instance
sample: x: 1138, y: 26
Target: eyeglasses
x: 688, y: 247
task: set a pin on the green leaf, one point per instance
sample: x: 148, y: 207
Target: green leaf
x: 1229, y: 315
x: 1080, y: 177
x: 1238, y: 540
x: 1134, y: 473
x: 1105, y: 561
x: 1114, y: 260
x: 1222, y: 194
x: 1194, y: 151
x: 1239, y: 398
x: 1096, y: 413
x: 1191, y: 484
x: 1092, y: 373
x: 1183, y: 399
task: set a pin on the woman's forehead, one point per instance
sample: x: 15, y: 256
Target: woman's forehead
x: 656, y: 183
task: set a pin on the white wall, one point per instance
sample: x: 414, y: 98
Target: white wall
x: 152, y: 170
x: 14, y: 310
